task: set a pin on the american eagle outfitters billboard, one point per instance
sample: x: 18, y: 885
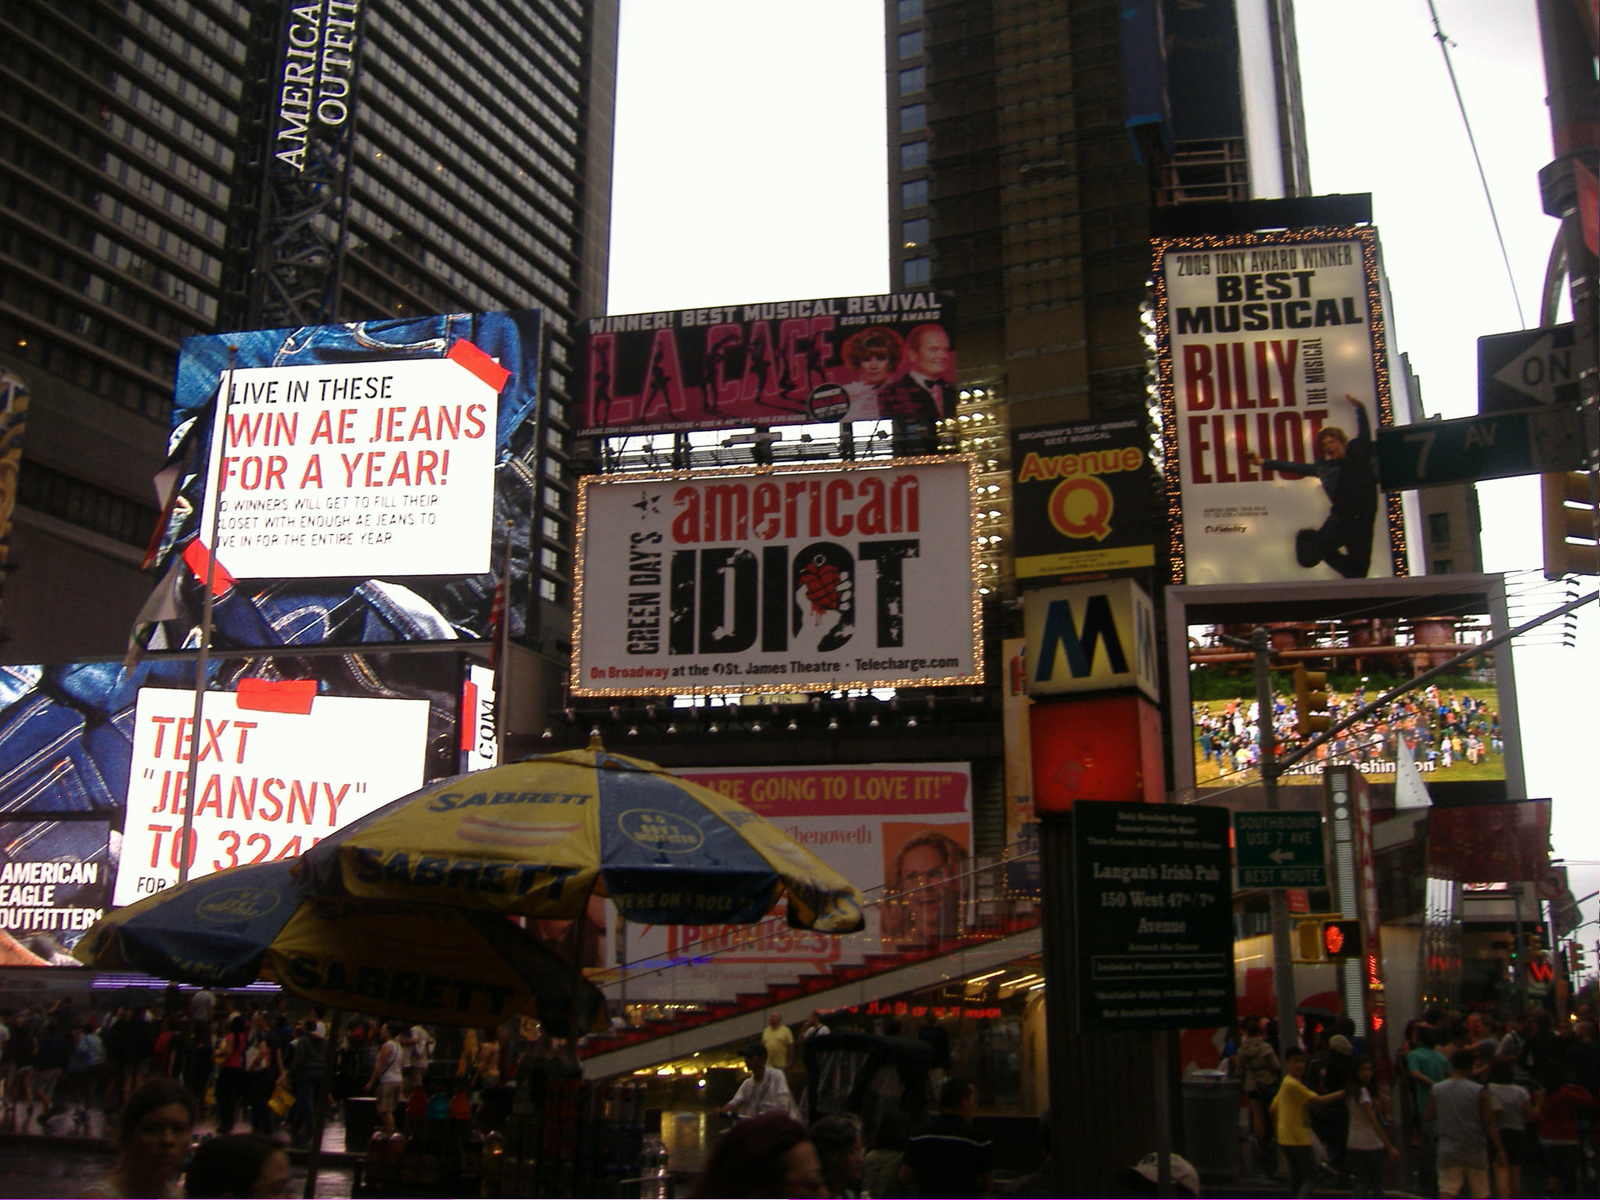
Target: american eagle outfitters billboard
x: 785, y: 580
x: 357, y: 480
x: 1274, y: 382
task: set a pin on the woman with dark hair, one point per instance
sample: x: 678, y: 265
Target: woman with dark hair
x: 838, y: 1143
x: 922, y: 899
x: 238, y: 1164
x: 771, y: 1155
x: 152, y: 1137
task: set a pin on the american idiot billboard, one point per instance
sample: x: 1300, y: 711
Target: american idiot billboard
x: 1274, y: 381
x: 810, y: 578
x: 851, y: 358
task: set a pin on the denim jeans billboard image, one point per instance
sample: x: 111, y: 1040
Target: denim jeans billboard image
x: 94, y: 756
x: 366, y: 486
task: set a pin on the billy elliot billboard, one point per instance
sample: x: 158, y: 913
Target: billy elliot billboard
x: 1274, y: 381
x: 792, y: 579
x: 852, y: 358
x: 353, y: 478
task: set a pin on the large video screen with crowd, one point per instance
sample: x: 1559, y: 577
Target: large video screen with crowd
x: 1456, y: 730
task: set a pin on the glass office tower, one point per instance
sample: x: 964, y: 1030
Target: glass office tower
x: 481, y: 180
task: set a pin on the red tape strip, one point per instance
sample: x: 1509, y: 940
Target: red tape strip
x: 276, y: 695
x: 196, y: 557
x: 480, y: 364
x: 469, y: 715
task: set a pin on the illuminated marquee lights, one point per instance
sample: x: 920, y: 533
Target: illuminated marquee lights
x: 1160, y: 248
x: 978, y: 493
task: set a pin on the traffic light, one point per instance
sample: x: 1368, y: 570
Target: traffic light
x: 1341, y: 939
x: 1311, y: 701
x: 1571, y: 524
x: 1575, y: 962
x: 1308, y: 941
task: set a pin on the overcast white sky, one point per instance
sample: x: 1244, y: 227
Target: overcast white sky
x: 750, y: 166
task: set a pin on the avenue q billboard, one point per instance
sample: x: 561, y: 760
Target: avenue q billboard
x: 852, y: 358
x: 784, y: 580
x: 1274, y: 381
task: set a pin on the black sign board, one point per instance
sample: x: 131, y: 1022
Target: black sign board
x: 1155, y: 916
x: 1081, y: 501
x: 1531, y: 366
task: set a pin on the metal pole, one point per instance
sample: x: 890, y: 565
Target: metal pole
x: 1159, y: 1057
x: 1282, y: 951
x: 214, y: 478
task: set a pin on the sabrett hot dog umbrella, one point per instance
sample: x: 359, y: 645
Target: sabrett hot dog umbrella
x: 536, y: 838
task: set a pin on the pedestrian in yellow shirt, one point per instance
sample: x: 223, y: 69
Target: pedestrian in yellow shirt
x: 1292, y: 1125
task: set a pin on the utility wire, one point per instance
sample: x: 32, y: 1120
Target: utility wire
x: 1494, y: 217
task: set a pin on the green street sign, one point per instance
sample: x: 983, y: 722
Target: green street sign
x: 1527, y: 442
x: 1279, y: 850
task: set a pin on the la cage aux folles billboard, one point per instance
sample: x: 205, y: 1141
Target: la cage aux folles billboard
x: 356, y: 480
x: 850, y: 358
x: 1274, y: 382
x: 781, y: 580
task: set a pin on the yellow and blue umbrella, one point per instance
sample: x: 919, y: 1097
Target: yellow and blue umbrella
x: 416, y: 962
x: 536, y: 838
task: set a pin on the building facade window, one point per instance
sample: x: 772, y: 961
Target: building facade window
x: 913, y: 117
x: 913, y: 155
x: 913, y: 193
x: 915, y: 272
x: 912, y: 81
x: 914, y: 232
x: 910, y: 44
x: 1439, y: 527
x: 908, y: 10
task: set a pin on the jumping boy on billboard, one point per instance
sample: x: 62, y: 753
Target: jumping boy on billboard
x: 1348, y: 473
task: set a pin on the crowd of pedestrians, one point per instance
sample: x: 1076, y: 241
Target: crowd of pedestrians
x: 240, y: 1060
x: 1478, y: 1106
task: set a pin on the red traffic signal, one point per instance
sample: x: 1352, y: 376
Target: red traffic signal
x: 1342, y: 939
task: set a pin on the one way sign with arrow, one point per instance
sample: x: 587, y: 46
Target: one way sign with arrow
x: 1531, y: 366
x: 1279, y: 850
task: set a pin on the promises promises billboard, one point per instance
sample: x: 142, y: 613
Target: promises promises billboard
x: 1274, y: 381
x: 794, y: 579
x: 854, y: 358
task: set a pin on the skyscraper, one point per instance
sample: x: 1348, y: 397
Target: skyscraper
x: 1031, y: 145
x: 1029, y: 142
x: 480, y: 181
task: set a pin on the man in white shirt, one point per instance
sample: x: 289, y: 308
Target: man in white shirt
x: 765, y: 1091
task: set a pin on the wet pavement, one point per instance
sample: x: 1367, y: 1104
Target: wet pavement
x: 68, y: 1153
